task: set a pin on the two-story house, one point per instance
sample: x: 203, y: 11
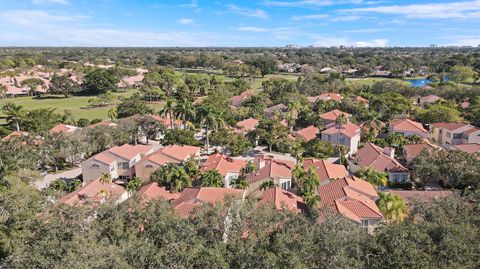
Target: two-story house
x: 270, y: 168
x: 228, y: 167
x: 408, y: 127
x: 347, y: 135
x: 331, y: 116
x: 118, y: 162
x: 447, y: 134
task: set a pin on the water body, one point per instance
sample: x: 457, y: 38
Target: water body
x: 419, y: 82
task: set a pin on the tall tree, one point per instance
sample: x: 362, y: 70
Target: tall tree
x: 63, y: 85
x: 392, y: 206
x: 14, y: 114
x: 212, y: 178
x: 185, y: 111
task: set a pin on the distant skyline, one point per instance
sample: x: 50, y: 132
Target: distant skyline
x: 271, y: 23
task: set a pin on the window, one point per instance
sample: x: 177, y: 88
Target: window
x: 124, y: 165
x: 449, y: 135
x: 285, y: 185
x: 112, y: 167
x: 95, y: 166
x: 457, y: 136
x: 365, y: 222
x: 341, y: 140
x: 148, y: 166
x: 329, y: 138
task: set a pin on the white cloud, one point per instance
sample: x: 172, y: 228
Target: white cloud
x: 454, y: 10
x: 309, y: 3
x: 343, y: 41
x: 40, y: 2
x: 367, y: 30
x: 311, y: 17
x: 185, y: 21
x: 37, y: 17
x: 252, y: 29
x: 256, y: 13
x: 192, y: 4
x: 345, y: 18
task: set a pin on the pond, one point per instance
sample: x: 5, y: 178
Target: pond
x: 419, y: 82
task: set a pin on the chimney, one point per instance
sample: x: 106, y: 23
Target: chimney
x: 389, y: 152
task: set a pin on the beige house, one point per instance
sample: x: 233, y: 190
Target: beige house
x: 347, y: 135
x: 447, y: 134
x: 269, y: 168
x: 118, y: 162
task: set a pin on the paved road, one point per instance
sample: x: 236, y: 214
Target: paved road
x: 70, y: 174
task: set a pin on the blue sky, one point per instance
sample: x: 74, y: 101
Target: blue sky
x: 239, y: 23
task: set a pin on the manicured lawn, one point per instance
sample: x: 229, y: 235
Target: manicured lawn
x: 77, y: 104
x: 367, y: 81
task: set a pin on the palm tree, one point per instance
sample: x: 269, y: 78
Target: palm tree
x: 374, y: 124
x: 240, y: 183
x: 298, y: 151
x: 298, y: 177
x: 185, y: 111
x: 103, y: 195
x: 212, y: 178
x: 210, y: 120
x: 3, y: 90
x: 392, y: 206
x: 14, y: 114
x: 310, y: 199
x: 105, y: 178
x: 167, y: 110
x: 376, y: 178
x: 267, y: 185
x: 133, y: 185
x: 112, y: 113
x: 293, y: 110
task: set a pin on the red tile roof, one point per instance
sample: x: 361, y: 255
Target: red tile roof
x: 239, y: 99
x: 191, y: 198
x: 248, y: 124
x: 180, y: 152
x: 154, y: 191
x: 92, y: 194
x: 352, y: 197
x: 413, y: 150
x: 349, y: 130
x: 451, y: 126
x: 104, y: 158
x: 326, y: 170
x: 14, y: 134
x: 372, y: 156
x: 471, y: 130
x: 63, y: 128
x: 269, y: 111
x: 308, y: 133
x: 469, y: 148
x: 128, y: 151
x: 223, y: 164
x: 103, y: 123
x: 283, y: 199
x: 268, y: 167
x: 333, y: 115
x: 406, y: 125
x: 325, y: 97
x: 430, y: 98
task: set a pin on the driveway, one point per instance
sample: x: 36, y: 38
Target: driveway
x: 70, y: 174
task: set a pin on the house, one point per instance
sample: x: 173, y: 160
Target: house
x: 411, y: 151
x: 270, y: 168
x: 130, y: 81
x: 171, y: 154
x: 353, y: 198
x: 238, y: 100
x: 106, y: 123
x: 309, y: 133
x: 228, y: 167
x: 472, y: 148
x: 382, y: 73
x: 247, y: 125
x: 272, y: 111
x: 347, y: 135
x: 95, y: 193
x: 64, y: 129
x: 153, y: 191
x: 282, y: 199
x: 193, y: 198
x: 408, y: 127
x: 379, y: 159
x: 325, y: 169
x: 331, y: 116
x: 447, y: 134
x: 429, y: 99
x: 465, y: 104
x: 14, y: 135
x: 412, y: 196
x: 329, y: 96
x: 119, y: 162
x: 360, y: 100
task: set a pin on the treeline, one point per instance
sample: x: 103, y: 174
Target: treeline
x: 34, y: 233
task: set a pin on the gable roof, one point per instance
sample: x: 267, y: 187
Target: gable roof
x: 348, y: 130
x: 325, y: 97
x: 371, y: 155
x: 333, y: 115
x: 180, y: 152
x: 248, y: 124
x: 223, y: 164
x: 104, y: 158
x: 128, y: 151
x: 14, y: 134
x: 92, y: 193
x: 154, y: 191
x: 63, y: 128
x: 239, y: 99
x: 268, y: 167
x: 468, y: 148
x: 283, y: 199
x: 451, y: 126
x: 352, y: 197
x: 326, y: 170
x: 307, y: 133
x: 103, y: 123
x: 413, y: 150
x: 269, y: 111
x: 406, y: 125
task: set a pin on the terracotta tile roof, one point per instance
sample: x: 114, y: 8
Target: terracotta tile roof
x: 361, y: 100
x: 413, y: 150
x: 451, y: 126
x: 349, y: 130
x: 406, y: 125
x: 308, y: 133
x: 430, y: 98
x: 193, y: 197
x: 412, y: 195
x: 159, y: 158
x: 103, y: 123
x: 239, y: 99
x: 180, y: 152
x: 223, y: 164
x: 326, y: 170
x: 268, y: 167
x: 326, y: 97
x: 269, y: 111
x: 471, y: 130
x: 352, y: 197
x: 333, y: 115
x: 165, y: 121
x: 248, y: 124
x: 130, y: 81
x: 469, y: 148
x: 63, y: 128
x: 128, y: 151
x: 154, y: 191
x: 104, y: 158
x: 465, y: 105
x: 283, y: 199
x: 91, y: 194
x: 372, y: 156
x: 14, y: 134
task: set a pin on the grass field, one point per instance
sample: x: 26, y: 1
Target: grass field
x: 366, y: 81
x: 77, y: 104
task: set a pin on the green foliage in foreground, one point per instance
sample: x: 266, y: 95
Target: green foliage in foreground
x: 37, y: 234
